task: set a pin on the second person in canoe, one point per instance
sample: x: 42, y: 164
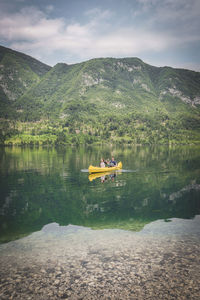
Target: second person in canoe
x: 112, y: 163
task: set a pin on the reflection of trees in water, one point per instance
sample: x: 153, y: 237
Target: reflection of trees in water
x: 46, y: 185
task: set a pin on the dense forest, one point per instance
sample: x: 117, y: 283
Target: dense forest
x: 98, y: 101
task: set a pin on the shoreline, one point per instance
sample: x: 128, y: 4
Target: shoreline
x: 72, y: 262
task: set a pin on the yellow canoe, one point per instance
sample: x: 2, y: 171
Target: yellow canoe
x: 93, y: 176
x: 93, y: 169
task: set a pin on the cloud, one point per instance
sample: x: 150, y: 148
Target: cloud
x: 31, y: 27
x: 179, y: 15
x: 29, y: 24
x: 49, y: 8
x: 130, y: 42
x: 32, y: 31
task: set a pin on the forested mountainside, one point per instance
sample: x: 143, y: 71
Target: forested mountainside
x: 106, y: 99
x: 17, y: 74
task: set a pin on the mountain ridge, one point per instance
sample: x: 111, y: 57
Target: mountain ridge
x: 115, y: 99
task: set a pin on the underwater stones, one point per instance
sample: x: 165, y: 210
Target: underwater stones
x: 117, y: 267
x: 56, y: 282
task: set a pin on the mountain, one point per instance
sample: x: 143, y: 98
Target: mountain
x: 105, y: 99
x: 17, y: 73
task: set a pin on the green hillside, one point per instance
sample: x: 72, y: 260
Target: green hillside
x: 18, y: 72
x: 106, y: 99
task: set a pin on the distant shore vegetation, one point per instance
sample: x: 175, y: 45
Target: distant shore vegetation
x: 110, y: 131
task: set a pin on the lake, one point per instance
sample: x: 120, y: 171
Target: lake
x: 80, y: 233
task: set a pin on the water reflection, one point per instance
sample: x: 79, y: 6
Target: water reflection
x: 39, y: 186
x: 104, y: 176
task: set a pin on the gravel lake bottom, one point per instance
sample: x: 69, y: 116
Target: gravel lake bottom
x: 72, y: 262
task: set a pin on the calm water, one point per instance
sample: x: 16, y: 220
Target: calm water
x: 43, y: 185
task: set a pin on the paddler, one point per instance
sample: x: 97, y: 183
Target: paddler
x: 112, y: 163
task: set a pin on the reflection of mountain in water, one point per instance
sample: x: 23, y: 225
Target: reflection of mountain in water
x: 117, y: 213
x: 184, y: 190
x: 40, y: 186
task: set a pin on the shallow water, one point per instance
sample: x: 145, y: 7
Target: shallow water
x: 150, y: 249
x: 74, y: 262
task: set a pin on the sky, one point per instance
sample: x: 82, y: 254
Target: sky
x: 160, y: 32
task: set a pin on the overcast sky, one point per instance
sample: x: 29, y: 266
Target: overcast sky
x: 160, y: 32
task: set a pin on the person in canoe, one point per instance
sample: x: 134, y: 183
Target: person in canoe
x: 112, y: 163
x: 102, y: 163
